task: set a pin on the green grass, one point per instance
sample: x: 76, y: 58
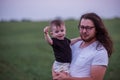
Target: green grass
x: 24, y: 54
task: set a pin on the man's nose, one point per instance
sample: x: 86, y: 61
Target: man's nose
x: 84, y: 30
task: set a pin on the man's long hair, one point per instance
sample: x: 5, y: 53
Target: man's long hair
x: 101, y: 32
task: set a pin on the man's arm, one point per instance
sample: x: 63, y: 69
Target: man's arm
x: 97, y: 73
x: 47, y: 36
x: 74, y: 40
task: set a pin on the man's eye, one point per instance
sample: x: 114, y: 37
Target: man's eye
x: 82, y: 27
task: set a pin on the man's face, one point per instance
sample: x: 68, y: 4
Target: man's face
x: 87, y: 30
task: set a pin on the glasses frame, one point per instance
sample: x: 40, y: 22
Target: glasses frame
x: 87, y: 28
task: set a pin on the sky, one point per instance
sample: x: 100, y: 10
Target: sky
x: 51, y: 9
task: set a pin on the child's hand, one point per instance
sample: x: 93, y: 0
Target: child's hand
x: 46, y: 29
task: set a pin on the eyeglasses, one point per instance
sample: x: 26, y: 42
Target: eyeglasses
x: 87, y: 28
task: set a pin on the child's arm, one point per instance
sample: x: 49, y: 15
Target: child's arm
x: 47, y: 36
x: 74, y: 40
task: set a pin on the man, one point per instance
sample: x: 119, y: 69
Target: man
x: 89, y: 56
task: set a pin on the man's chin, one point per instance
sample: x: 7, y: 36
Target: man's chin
x: 87, y: 40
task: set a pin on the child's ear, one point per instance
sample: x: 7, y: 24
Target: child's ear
x: 51, y: 33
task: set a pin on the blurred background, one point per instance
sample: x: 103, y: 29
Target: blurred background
x: 50, y: 9
x: 25, y: 55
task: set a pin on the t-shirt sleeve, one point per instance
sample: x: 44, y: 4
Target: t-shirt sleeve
x: 101, y: 58
x: 54, y: 41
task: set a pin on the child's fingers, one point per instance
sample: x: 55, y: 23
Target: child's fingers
x: 46, y: 29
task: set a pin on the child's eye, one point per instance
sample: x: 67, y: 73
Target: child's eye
x: 56, y: 31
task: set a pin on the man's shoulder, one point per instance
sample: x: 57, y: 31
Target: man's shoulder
x: 99, y: 49
x: 77, y: 43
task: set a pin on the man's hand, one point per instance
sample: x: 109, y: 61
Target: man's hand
x: 61, y: 76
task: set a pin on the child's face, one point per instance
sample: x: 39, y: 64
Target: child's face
x: 58, y: 32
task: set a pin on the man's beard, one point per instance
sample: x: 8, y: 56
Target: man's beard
x: 88, y: 39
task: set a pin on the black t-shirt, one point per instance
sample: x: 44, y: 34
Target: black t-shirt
x: 62, y: 50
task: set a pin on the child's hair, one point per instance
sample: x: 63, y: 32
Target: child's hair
x: 56, y: 23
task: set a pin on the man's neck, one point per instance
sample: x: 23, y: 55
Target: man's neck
x: 85, y: 43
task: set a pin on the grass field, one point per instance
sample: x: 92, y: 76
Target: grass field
x: 24, y: 54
